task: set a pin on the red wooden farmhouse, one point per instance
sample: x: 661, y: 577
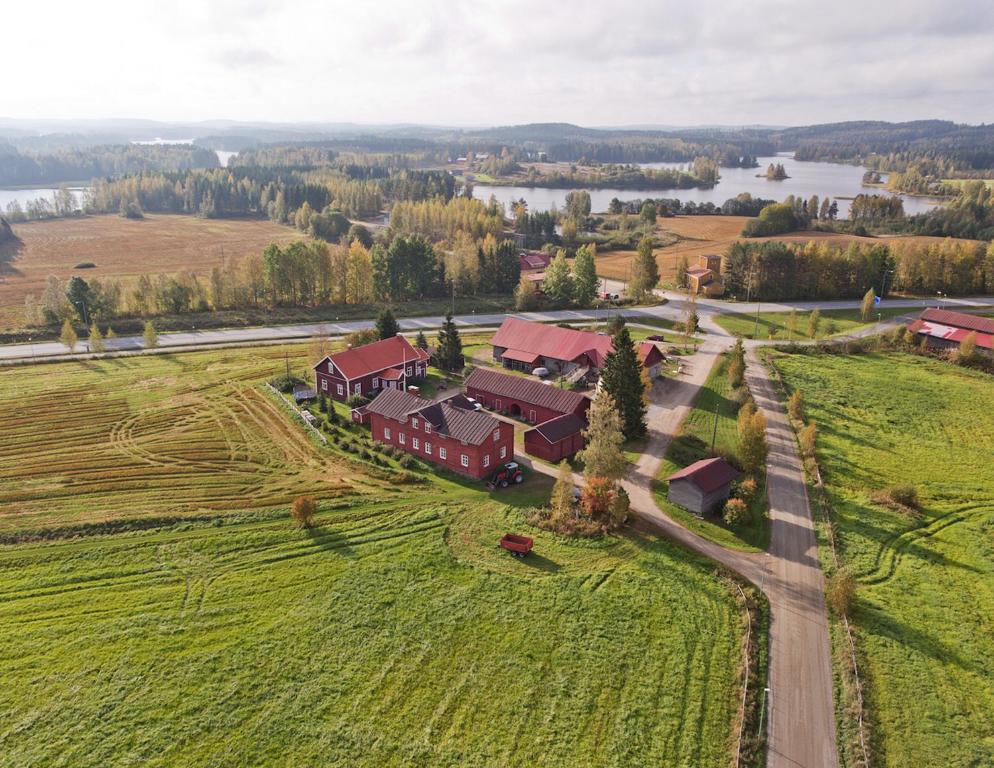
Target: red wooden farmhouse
x: 465, y: 441
x: 366, y: 370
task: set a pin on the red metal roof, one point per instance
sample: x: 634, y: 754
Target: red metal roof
x: 392, y: 374
x: 521, y: 357
x: 649, y: 354
x: 959, y: 320
x: 949, y: 333
x: 559, y: 428
x: 552, y: 341
x: 707, y: 474
x: 534, y: 260
x: 527, y: 390
x: 372, y: 358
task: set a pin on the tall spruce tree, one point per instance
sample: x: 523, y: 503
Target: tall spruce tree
x: 449, y: 352
x: 622, y: 379
x: 645, y: 271
x: 386, y: 324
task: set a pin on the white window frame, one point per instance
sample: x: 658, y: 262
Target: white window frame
x: 442, y: 453
x: 427, y: 427
x: 486, y: 460
x: 497, y: 434
x: 340, y: 389
x: 427, y: 448
x: 415, y: 443
x: 464, y: 460
x: 414, y: 423
x: 386, y: 433
x: 376, y: 383
x: 324, y: 384
x: 402, y: 438
x: 503, y: 451
x: 409, y: 369
x: 357, y: 389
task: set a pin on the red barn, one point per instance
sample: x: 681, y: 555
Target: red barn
x: 556, y: 439
x: 523, y: 398
x: 945, y: 329
x: 525, y: 345
x: 365, y: 370
x: 468, y: 442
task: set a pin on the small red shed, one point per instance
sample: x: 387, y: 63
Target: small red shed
x: 556, y: 439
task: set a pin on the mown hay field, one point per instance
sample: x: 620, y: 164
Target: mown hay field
x: 152, y: 436
x: 925, y: 609
x: 123, y: 249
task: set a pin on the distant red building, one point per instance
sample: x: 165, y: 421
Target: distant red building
x: 533, y: 261
x: 523, y: 398
x: 945, y: 329
x: 366, y: 370
x: 556, y: 439
x: 465, y: 441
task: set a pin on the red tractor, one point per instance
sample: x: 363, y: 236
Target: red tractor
x: 509, y: 473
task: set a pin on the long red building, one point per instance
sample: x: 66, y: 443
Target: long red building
x: 366, y: 370
x: 523, y: 398
x: 465, y: 441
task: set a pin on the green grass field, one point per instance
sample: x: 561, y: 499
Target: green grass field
x: 395, y: 633
x: 925, y: 616
x: 833, y: 322
x: 695, y: 437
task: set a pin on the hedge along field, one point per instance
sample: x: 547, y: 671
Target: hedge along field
x: 152, y: 436
x: 925, y: 612
x: 393, y: 634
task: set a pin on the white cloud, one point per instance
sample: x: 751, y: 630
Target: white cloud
x: 491, y: 62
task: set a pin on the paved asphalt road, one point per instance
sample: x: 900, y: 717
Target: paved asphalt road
x: 673, y: 310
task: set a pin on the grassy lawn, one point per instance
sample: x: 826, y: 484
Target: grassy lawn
x: 833, y: 322
x: 925, y: 614
x: 693, y: 442
x: 395, y: 633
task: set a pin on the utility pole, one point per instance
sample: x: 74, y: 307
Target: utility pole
x: 755, y: 332
x: 762, y: 711
x: 714, y: 430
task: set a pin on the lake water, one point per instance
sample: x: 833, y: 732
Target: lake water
x: 22, y: 196
x: 806, y: 179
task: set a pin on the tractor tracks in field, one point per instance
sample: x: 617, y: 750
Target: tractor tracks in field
x: 894, y: 549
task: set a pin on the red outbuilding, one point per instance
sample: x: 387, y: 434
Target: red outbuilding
x: 523, y: 398
x: 385, y: 364
x: 525, y: 345
x: 556, y: 439
x: 465, y: 441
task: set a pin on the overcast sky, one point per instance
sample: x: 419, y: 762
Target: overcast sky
x: 483, y: 62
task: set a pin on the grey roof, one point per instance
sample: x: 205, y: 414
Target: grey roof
x: 468, y: 426
x: 395, y: 404
x: 560, y: 427
x: 527, y: 390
